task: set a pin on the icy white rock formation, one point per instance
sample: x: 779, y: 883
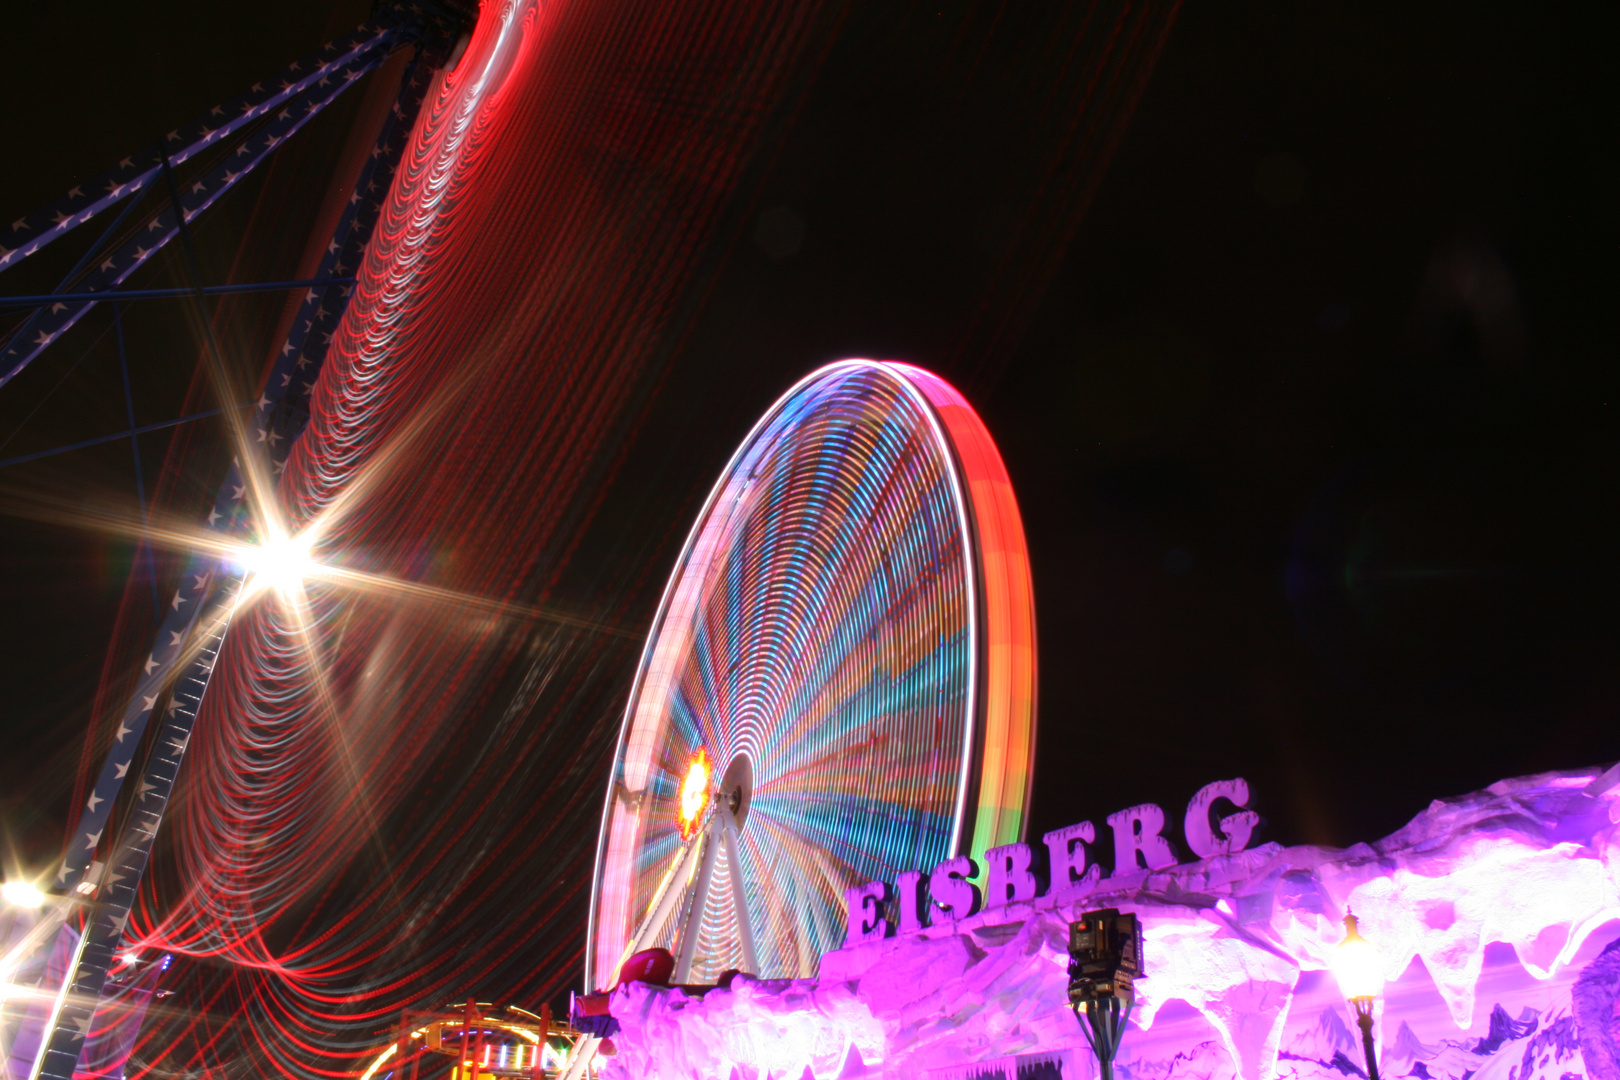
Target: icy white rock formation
x: 1530, y: 864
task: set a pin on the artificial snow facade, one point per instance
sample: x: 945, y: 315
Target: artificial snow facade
x: 1497, y: 914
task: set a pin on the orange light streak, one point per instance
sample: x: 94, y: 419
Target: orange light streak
x: 694, y: 792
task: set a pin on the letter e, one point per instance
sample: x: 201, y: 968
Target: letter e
x: 911, y: 910
x: 866, y: 921
x: 1070, y: 875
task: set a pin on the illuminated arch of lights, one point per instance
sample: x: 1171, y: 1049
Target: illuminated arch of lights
x: 482, y: 1041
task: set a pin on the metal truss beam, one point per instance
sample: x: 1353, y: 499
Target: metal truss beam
x: 145, y: 429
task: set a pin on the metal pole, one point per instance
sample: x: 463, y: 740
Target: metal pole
x: 1102, y: 1025
x: 700, y: 903
x: 467, y: 1060
x: 579, y: 1061
x: 1364, y: 1020
x: 538, y: 1070
x: 745, y: 930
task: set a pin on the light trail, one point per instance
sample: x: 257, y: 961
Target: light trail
x: 381, y: 807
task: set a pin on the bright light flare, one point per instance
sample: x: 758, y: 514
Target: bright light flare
x: 695, y: 791
x: 22, y: 894
x: 282, y: 562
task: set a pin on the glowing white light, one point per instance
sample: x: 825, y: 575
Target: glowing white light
x: 281, y: 562
x: 21, y: 894
x: 1358, y: 965
x: 129, y: 959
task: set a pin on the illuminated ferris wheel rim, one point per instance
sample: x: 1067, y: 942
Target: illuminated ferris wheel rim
x: 929, y: 396
x: 753, y: 446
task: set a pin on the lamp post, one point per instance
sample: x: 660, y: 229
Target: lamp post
x: 1360, y: 971
x: 1105, y: 959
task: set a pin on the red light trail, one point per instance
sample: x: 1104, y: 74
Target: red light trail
x: 339, y: 832
x: 350, y: 837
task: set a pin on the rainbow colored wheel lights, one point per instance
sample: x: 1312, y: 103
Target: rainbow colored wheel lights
x: 849, y: 636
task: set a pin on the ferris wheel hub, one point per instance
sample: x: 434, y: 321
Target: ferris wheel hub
x: 737, y: 787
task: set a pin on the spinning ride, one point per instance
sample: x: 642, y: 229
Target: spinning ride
x: 839, y: 684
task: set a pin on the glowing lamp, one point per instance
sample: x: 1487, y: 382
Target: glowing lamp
x: 695, y: 792
x: 1359, y: 968
x: 21, y: 894
x: 1358, y: 965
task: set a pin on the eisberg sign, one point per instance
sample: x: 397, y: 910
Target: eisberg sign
x: 1015, y: 872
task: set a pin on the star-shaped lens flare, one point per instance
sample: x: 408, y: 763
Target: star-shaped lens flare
x: 281, y: 562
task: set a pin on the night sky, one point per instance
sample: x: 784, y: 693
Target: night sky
x: 1306, y: 382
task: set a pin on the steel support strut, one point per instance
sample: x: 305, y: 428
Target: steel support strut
x: 700, y: 901
x: 393, y: 25
x: 47, y: 324
x: 65, y: 1034
x: 739, y: 901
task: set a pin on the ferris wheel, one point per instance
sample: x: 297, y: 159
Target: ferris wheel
x: 839, y: 684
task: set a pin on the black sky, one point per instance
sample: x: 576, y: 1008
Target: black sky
x: 1313, y: 429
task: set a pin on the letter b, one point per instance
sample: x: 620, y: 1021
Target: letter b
x: 1011, y: 876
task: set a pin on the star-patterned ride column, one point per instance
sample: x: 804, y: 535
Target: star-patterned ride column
x: 194, y: 629
x: 126, y: 863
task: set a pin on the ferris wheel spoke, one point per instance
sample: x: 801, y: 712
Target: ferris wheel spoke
x: 808, y: 884
x: 739, y: 898
x: 853, y: 682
